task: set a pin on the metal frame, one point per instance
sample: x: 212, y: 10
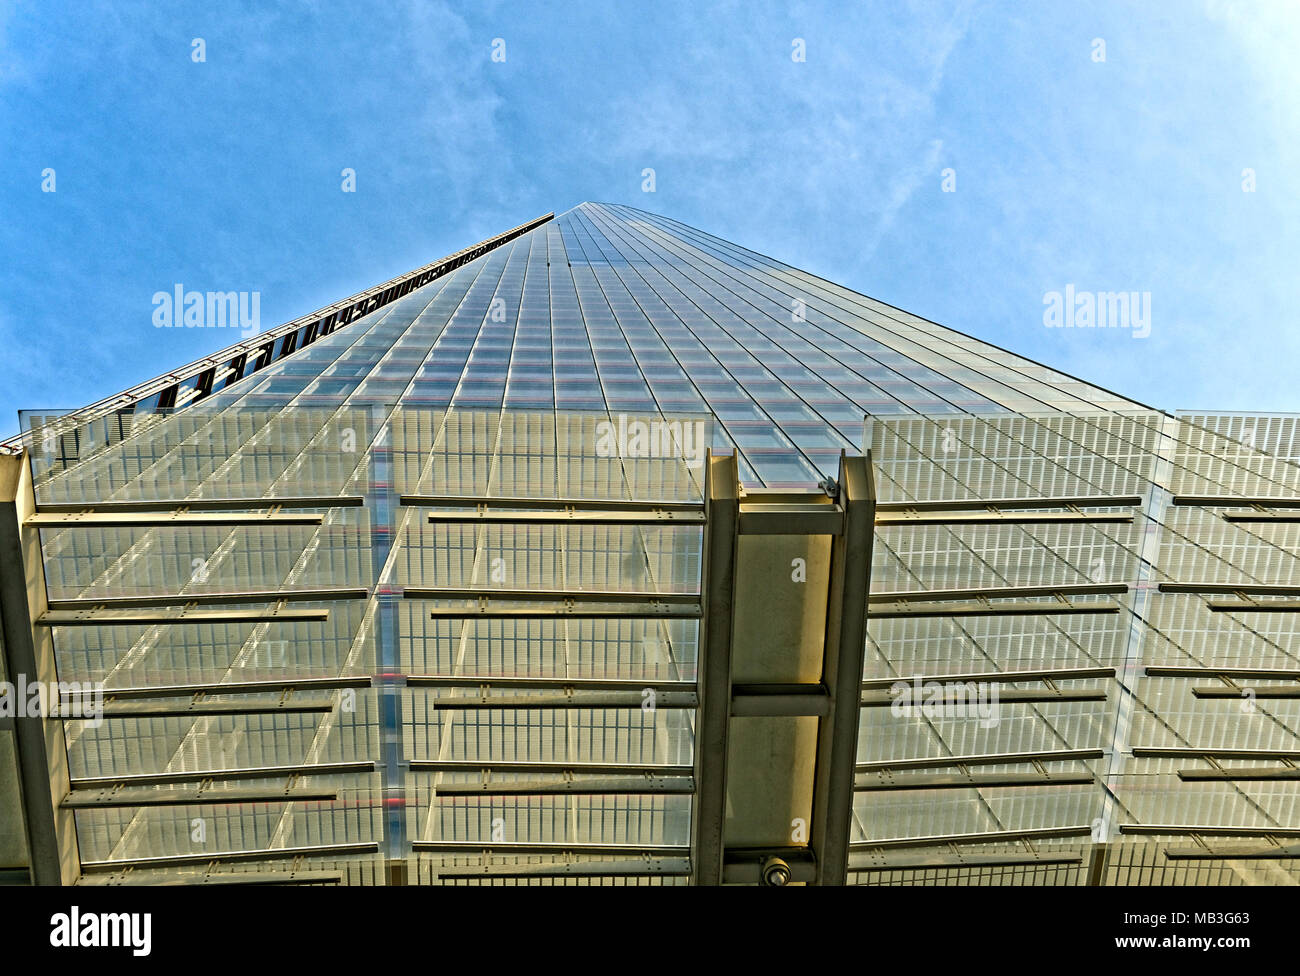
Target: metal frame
x: 244, y: 358
x: 846, y: 644
x: 708, y: 809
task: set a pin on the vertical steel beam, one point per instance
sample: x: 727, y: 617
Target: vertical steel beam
x: 29, y: 652
x: 846, y: 641
x: 708, y: 815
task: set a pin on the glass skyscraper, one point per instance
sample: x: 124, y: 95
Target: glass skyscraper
x: 534, y: 566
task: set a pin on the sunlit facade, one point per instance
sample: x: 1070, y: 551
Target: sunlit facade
x: 416, y: 590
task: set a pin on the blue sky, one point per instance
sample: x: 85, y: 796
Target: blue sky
x: 1117, y: 175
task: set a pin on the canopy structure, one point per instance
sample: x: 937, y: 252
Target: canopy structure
x: 608, y: 552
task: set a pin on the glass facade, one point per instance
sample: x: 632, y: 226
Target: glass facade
x: 390, y: 679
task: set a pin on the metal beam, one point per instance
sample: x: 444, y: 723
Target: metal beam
x: 1198, y: 671
x: 942, y: 862
x: 167, y: 505
x: 561, y: 699
x: 92, y: 618
x: 212, y: 857
x: 894, y: 520
x: 218, y: 775
x: 143, y: 520
x: 472, y: 847
x: 884, y: 781
x: 989, y: 759
x: 1241, y: 852
x: 1253, y: 606
x: 1015, y: 696
x: 1192, y: 752
x: 236, y: 688
x: 709, y: 810
x: 547, y: 768
x: 145, y: 796
x: 753, y: 700
x: 1228, y: 589
x: 1221, y: 501
x: 846, y: 641
x: 1258, y: 694
x: 129, y: 879
x: 999, y: 677
x: 768, y: 518
x: 645, y: 867
x: 1011, y: 504
x: 545, y: 684
x: 581, y: 785
x: 322, y: 595
x: 548, y: 505
x: 29, y: 655
x: 1000, y: 592
x: 984, y: 837
x: 1042, y: 608
x: 1209, y: 831
x: 1264, y: 774
x: 148, y: 709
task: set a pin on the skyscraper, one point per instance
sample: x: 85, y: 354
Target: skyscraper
x: 548, y: 563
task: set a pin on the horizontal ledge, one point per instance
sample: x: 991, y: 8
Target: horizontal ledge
x: 1259, y: 694
x: 768, y: 518
x: 894, y: 519
x: 323, y: 595
x: 999, y: 592
x: 270, y: 854
x: 571, y: 610
x: 1182, y: 752
x: 990, y: 677
x: 1012, y: 504
x: 577, y: 684
x: 222, y: 879
x: 1282, y: 518
x: 147, y: 520
x: 629, y: 867
x: 1223, y: 501
x: 568, y: 518
x: 1252, y: 606
x: 149, y: 709
x: 88, y: 618
x: 1044, y: 608
x: 218, y: 775
x: 469, y: 847
x: 986, y: 837
x: 1015, y: 696
x: 556, y: 505
x: 1181, y: 671
x: 561, y: 699
x: 780, y: 700
x: 988, y: 759
x: 143, y: 796
x: 967, y: 781
x: 1232, y: 853
x: 612, y: 597
x: 559, y: 768
x: 1227, y: 589
x: 1215, y: 831
x: 948, y: 861
x: 1274, y: 774
x: 236, y: 687
x: 204, y: 504
x: 578, y: 785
